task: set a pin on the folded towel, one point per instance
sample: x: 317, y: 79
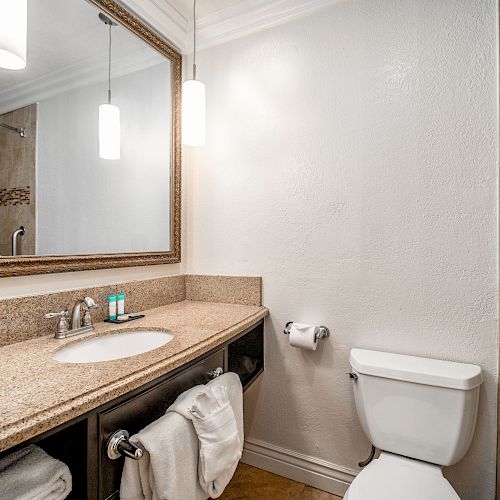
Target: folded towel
x: 168, y: 468
x: 31, y: 474
x: 216, y: 411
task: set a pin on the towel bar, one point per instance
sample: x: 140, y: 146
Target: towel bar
x: 321, y: 332
x: 118, y: 445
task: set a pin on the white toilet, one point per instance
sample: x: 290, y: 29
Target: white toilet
x: 421, y: 413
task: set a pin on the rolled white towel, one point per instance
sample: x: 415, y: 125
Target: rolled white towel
x: 215, y: 425
x: 31, y: 474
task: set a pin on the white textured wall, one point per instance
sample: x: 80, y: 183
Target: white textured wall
x: 351, y: 161
x: 89, y: 205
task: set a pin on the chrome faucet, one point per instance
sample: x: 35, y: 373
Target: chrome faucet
x: 79, y: 324
x: 77, y: 321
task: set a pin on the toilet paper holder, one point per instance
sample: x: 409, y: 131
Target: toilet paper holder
x: 321, y: 332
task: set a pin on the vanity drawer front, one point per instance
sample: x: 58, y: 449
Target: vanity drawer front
x: 139, y: 411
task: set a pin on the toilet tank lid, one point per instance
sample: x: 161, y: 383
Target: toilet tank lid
x: 416, y: 369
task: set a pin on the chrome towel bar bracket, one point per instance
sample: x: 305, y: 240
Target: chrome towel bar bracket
x: 119, y: 444
x: 321, y: 332
x: 216, y: 373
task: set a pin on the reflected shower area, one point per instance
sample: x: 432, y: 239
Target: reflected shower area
x: 18, y: 181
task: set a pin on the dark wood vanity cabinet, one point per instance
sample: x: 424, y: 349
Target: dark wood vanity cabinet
x: 145, y: 407
x: 82, y: 442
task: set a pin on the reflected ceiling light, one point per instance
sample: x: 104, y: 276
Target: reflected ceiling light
x: 109, y: 114
x: 13, y: 33
x: 193, y: 103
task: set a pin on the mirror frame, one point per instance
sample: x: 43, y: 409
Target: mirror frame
x: 23, y: 265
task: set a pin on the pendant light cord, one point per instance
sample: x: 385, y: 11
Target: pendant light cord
x: 194, y: 39
x: 109, y: 67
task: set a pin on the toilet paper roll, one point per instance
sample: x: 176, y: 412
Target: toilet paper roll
x: 303, y: 336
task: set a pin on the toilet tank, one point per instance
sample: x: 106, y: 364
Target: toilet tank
x: 417, y: 407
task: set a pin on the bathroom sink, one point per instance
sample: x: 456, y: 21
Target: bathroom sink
x: 113, y: 346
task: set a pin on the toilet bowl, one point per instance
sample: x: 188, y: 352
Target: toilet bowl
x: 421, y: 413
x: 393, y: 477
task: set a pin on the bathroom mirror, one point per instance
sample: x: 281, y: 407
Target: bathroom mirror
x: 89, y: 178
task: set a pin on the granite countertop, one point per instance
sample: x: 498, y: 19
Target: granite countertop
x: 38, y: 393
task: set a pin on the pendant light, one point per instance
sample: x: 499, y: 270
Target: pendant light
x: 193, y: 103
x: 13, y: 33
x: 109, y: 114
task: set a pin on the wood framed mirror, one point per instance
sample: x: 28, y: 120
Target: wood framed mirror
x: 64, y: 205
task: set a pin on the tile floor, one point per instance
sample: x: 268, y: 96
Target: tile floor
x: 250, y: 483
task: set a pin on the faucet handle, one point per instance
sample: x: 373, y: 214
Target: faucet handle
x: 63, y: 324
x: 62, y: 314
x: 87, y: 318
x: 90, y: 302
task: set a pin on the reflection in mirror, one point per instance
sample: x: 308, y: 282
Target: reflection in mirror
x: 57, y: 195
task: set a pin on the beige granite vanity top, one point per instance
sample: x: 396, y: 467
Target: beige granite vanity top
x: 38, y: 393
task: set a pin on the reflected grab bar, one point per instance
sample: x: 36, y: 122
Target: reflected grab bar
x: 15, y: 240
x: 20, y: 130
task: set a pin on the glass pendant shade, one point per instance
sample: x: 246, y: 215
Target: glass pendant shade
x: 193, y: 113
x: 13, y: 33
x: 109, y: 132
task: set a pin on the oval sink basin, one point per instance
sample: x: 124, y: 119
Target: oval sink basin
x: 113, y: 346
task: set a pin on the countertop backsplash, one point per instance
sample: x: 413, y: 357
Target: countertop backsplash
x: 22, y: 318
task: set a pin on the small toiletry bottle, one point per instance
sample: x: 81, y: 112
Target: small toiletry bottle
x: 112, y: 307
x: 121, y: 304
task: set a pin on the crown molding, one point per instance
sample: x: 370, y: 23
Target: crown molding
x: 163, y: 17
x: 248, y: 17
x: 238, y: 20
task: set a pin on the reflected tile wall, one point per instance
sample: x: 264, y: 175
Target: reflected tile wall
x: 17, y: 179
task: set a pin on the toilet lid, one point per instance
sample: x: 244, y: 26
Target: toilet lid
x: 392, y: 477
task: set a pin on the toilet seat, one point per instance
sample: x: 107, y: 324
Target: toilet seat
x: 393, y: 477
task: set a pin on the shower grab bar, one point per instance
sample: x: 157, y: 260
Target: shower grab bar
x: 15, y: 240
x: 20, y: 130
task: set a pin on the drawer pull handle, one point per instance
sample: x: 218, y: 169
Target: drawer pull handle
x: 217, y: 372
x: 118, y: 445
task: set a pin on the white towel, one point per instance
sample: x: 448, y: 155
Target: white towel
x: 216, y: 410
x: 31, y: 474
x: 168, y: 468
x: 215, y: 424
